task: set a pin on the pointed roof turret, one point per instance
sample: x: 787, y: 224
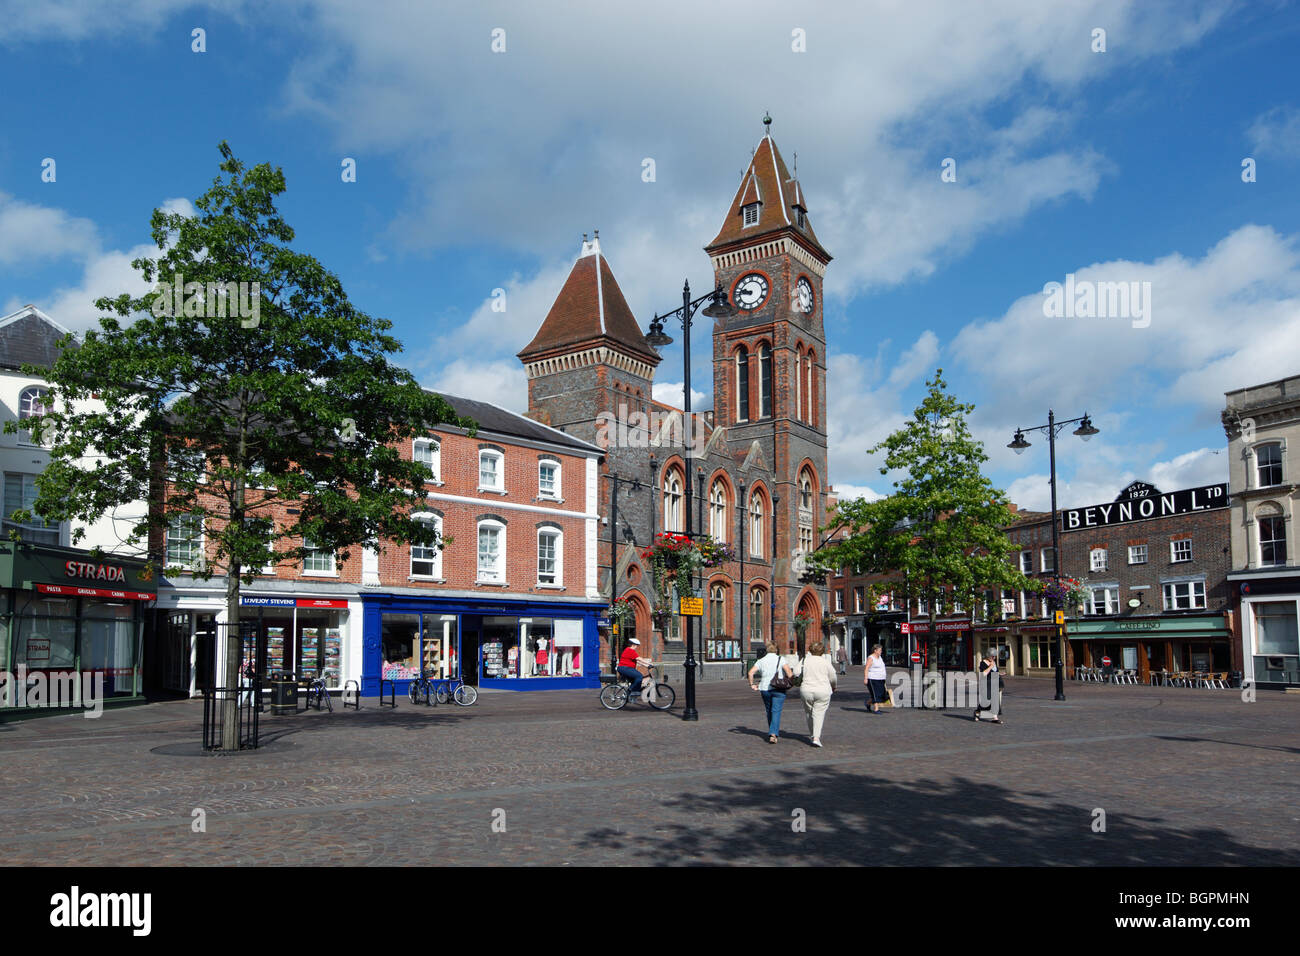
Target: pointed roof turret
x: 768, y: 189
x: 590, y: 310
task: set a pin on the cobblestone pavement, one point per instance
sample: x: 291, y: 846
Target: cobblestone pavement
x: 1184, y: 777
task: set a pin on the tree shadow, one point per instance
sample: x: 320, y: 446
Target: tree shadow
x: 1232, y: 743
x: 853, y: 820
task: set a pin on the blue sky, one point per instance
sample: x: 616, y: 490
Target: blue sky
x: 479, y: 170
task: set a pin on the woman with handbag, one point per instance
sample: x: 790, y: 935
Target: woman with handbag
x: 773, y: 680
x: 816, y: 688
x: 874, y: 678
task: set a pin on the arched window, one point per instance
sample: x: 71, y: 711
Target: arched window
x: 756, y: 601
x: 491, y: 551
x: 798, y: 384
x: 805, y: 513
x: 742, y: 384
x: 674, y: 515
x: 809, y: 399
x: 550, y: 556
x: 31, y: 402
x: 428, y: 452
x: 756, y: 525
x: 717, y: 610
x: 765, y: 381
x: 718, y: 511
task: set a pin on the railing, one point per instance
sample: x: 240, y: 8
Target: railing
x: 352, y: 689
x: 392, y: 692
x: 248, y: 698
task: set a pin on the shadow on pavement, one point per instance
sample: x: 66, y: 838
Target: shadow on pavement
x: 857, y: 820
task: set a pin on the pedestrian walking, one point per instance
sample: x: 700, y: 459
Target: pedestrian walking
x: 761, y: 675
x: 992, y: 688
x: 874, y: 677
x: 842, y: 658
x: 815, y: 689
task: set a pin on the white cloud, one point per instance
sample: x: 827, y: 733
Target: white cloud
x: 30, y: 233
x: 500, y: 382
x: 1094, y: 481
x: 673, y: 393
x: 1276, y: 133
x: 850, y: 492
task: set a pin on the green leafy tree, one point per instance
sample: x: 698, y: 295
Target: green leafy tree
x: 943, y: 527
x: 268, y: 411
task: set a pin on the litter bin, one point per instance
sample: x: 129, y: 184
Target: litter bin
x: 284, y: 694
x: 1234, y: 679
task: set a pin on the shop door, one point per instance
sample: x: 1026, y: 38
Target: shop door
x: 205, y: 650
x: 855, y: 652
x: 471, y: 637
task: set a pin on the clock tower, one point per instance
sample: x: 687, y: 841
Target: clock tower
x: 769, y: 363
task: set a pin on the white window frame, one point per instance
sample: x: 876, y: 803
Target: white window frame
x: 839, y: 600
x: 718, y: 511
x: 756, y: 516
x: 24, y: 413
x: 1133, y: 552
x: 1045, y: 556
x: 1098, y: 559
x: 555, y: 494
x: 1174, y: 549
x: 750, y: 214
x: 1193, y: 586
x: 1110, y: 599
x: 1259, y: 533
x: 312, y: 550
x: 673, y: 503
x: 499, y: 471
x: 434, y: 460
x: 1026, y: 562
x: 552, y: 531
x: 498, y: 574
x: 1259, y: 478
x: 435, y: 573
x: 198, y: 545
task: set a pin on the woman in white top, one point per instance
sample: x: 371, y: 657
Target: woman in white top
x: 765, y: 668
x: 874, y: 678
x: 816, y: 688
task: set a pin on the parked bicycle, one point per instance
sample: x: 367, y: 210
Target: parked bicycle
x: 421, y: 689
x: 455, y: 688
x: 658, y: 694
x: 317, y: 693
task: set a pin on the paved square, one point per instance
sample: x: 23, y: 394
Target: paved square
x: 1185, y: 777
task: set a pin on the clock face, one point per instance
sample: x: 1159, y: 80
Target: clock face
x: 805, y: 294
x: 751, y: 291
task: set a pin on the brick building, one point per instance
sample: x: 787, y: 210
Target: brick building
x: 1155, y: 566
x: 511, y: 601
x: 753, y: 469
x: 1262, y: 423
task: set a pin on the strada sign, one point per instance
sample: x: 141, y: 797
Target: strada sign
x: 1139, y: 502
x: 95, y: 572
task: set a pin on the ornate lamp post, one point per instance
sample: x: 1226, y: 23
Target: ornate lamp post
x: 1018, y: 445
x: 718, y: 307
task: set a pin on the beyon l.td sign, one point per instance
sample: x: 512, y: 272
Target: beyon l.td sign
x: 1140, y: 501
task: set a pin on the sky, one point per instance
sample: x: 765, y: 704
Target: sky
x: 957, y: 159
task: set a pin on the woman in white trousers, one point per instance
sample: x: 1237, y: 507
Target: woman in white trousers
x: 816, y: 689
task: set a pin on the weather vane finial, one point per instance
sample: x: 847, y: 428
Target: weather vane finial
x: 767, y: 121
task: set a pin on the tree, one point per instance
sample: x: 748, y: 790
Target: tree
x: 943, y: 526
x: 245, y: 387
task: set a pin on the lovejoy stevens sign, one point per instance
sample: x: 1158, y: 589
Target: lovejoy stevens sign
x: 1140, y: 501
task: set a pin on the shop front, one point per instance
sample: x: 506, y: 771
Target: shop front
x: 949, y: 650
x: 524, y: 645
x: 1196, y: 643
x: 64, y: 611
x: 1270, y: 630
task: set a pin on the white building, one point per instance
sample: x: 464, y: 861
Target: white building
x: 1263, y: 427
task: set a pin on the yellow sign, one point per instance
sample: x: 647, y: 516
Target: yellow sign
x: 1060, y: 617
x: 692, y: 607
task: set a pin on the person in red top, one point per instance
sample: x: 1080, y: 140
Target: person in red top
x: 628, y: 661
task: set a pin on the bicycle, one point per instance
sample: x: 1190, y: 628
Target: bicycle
x: 317, y: 692
x: 455, y: 688
x: 422, y: 689
x: 658, y: 694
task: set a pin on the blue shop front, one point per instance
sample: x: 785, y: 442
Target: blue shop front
x: 513, y: 645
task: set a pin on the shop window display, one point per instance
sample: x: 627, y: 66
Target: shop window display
x: 45, y: 633
x: 398, y: 633
x: 531, y: 647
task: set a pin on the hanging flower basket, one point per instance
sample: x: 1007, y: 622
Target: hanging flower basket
x: 1066, y: 593
x: 622, y: 611
x: 674, y: 559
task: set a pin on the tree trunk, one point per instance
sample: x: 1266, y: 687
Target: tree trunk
x: 234, y: 658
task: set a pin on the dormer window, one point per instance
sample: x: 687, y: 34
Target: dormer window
x: 799, y: 218
x: 751, y: 214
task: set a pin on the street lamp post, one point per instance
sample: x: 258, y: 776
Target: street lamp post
x: 1018, y: 445
x: 718, y: 307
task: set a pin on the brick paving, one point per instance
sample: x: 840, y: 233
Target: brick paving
x: 1185, y: 777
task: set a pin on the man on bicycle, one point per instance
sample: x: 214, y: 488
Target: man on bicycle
x: 627, y: 665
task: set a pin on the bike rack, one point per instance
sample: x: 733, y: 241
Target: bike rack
x: 355, y: 688
x: 392, y: 692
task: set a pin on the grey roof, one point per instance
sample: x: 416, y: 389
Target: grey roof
x: 494, y: 418
x: 29, y: 336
